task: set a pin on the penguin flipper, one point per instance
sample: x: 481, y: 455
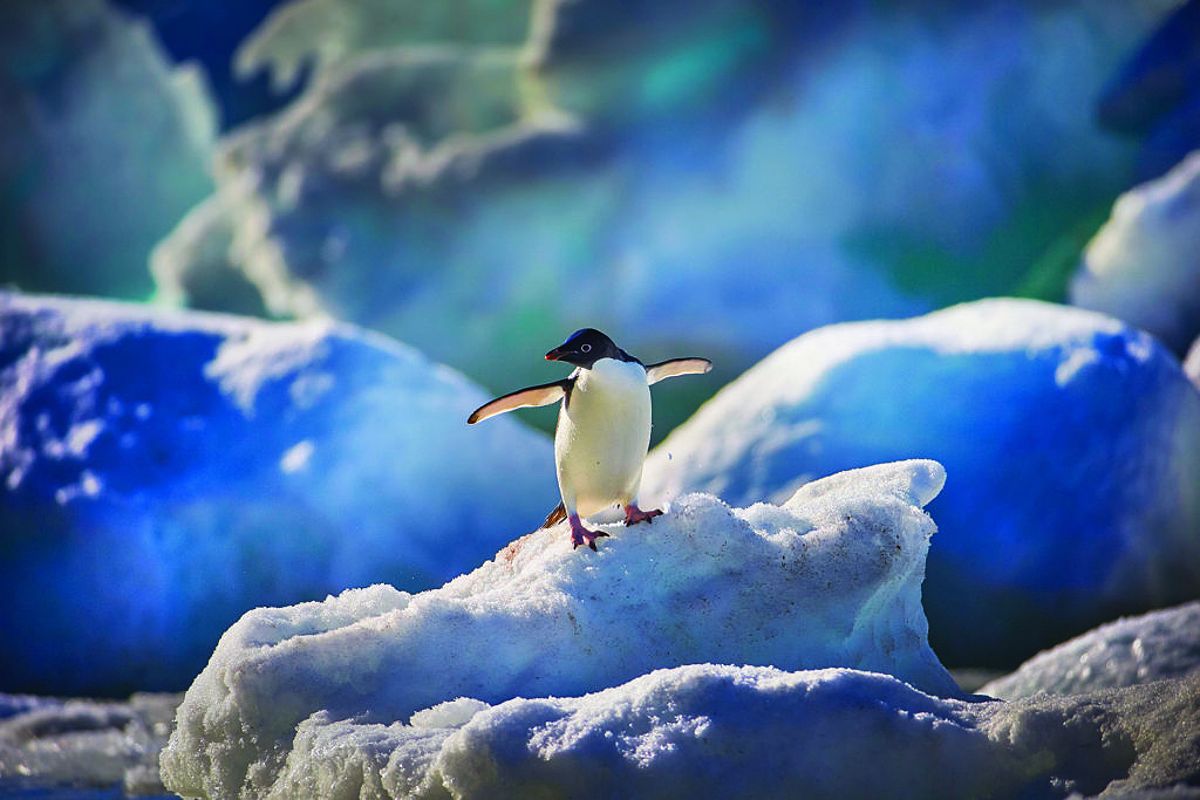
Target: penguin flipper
x: 541, y: 395
x: 673, y: 367
x: 554, y: 517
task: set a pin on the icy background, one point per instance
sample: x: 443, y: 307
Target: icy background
x: 398, y: 205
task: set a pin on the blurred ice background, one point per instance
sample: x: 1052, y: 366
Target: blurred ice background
x: 477, y: 178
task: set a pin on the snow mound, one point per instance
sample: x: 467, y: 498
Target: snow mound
x: 48, y: 742
x: 830, y: 578
x: 1163, y: 644
x: 160, y: 473
x: 1142, y: 266
x: 724, y: 731
x: 1073, y: 442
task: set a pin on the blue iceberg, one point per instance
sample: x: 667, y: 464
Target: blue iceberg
x: 162, y: 473
x: 1071, y: 443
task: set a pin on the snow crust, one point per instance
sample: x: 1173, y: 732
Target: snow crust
x: 1071, y: 439
x: 723, y: 731
x: 1143, y: 266
x: 1162, y: 644
x: 830, y: 578
x: 160, y: 473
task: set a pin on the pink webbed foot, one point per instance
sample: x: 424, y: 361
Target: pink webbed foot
x: 634, y: 515
x: 581, y: 535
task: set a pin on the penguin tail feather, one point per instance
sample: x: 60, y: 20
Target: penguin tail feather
x: 554, y: 517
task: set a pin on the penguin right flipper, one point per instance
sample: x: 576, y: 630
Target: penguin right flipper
x: 542, y: 395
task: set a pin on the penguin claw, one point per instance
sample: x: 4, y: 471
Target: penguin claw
x: 634, y: 515
x: 582, y: 536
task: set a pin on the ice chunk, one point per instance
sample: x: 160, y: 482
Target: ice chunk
x: 194, y: 267
x: 1191, y: 364
x: 1142, y: 265
x: 164, y: 472
x: 831, y: 580
x: 1072, y: 444
x: 84, y: 743
x: 724, y: 731
x: 325, y: 34
x: 1163, y: 644
x: 104, y: 144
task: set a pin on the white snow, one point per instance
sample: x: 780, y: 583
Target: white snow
x: 754, y: 732
x: 830, y: 578
x: 1072, y: 442
x: 1144, y: 264
x: 183, y: 468
x: 1162, y: 644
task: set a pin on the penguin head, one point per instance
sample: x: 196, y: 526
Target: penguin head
x: 585, y: 347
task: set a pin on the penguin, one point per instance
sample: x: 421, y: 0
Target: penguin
x: 603, y: 429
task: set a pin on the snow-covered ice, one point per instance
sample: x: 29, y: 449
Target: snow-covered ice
x: 47, y: 742
x: 830, y: 578
x: 161, y: 473
x: 746, y: 732
x: 1143, y: 266
x: 1162, y: 644
x: 1071, y: 441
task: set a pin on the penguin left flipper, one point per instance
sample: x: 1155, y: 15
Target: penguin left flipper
x: 673, y: 367
x: 541, y: 395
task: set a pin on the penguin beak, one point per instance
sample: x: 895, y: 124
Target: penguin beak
x: 555, y: 354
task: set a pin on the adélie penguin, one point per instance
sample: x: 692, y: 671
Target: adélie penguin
x: 603, y: 426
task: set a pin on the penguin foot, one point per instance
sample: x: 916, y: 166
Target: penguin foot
x: 581, y: 535
x: 634, y: 515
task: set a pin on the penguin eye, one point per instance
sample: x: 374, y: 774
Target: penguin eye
x: 587, y: 348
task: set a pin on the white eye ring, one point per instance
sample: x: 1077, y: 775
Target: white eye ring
x: 587, y: 348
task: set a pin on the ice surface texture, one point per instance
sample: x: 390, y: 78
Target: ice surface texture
x: 1143, y: 266
x: 1071, y: 441
x: 830, y: 578
x: 104, y: 145
x: 767, y: 167
x: 1163, y: 644
x: 741, y: 732
x: 161, y: 473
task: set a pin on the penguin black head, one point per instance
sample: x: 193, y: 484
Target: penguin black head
x: 585, y: 347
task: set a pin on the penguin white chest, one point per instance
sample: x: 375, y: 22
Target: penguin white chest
x: 602, y: 436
